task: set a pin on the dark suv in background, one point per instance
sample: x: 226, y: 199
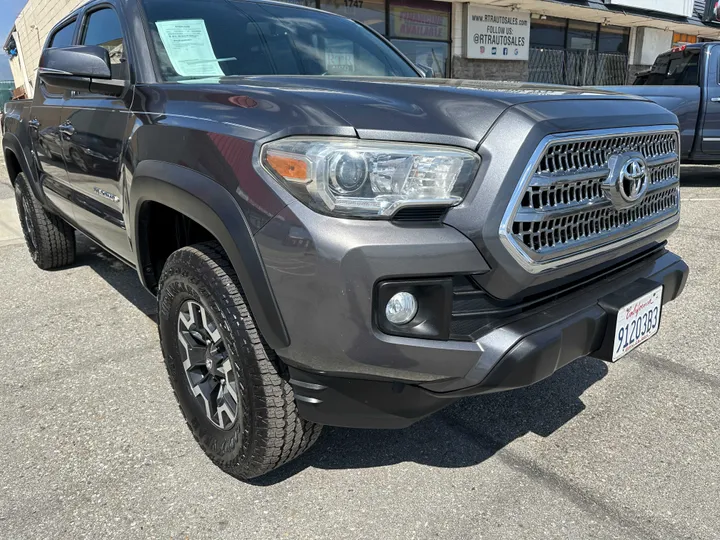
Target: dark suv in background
x: 333, y: 238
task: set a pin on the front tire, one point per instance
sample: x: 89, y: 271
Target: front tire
x: 231, y: 387
x: 50, y: 239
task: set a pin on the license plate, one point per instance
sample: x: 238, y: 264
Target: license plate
x: 637, y: 322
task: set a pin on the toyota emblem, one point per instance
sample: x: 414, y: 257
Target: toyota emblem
x: 627, y: 182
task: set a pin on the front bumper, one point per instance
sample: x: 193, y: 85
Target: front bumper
x: 519, y: 353
x: 346, y: 372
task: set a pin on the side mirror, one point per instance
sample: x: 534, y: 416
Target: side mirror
x: 85, y: 68
x: 426, y: 71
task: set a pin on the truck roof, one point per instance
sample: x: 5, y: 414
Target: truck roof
x: 690, y: 46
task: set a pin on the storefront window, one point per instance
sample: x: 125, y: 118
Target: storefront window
x: 432, y: 54
x: 577, y: 52
x: 582, y: 35
x: 548, y: 33
x: 369, y: 12
x: 613, y: 39
x: 421, y: 30
x: 417, y: 19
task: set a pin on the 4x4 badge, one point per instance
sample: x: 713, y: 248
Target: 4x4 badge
x: 628, y: 180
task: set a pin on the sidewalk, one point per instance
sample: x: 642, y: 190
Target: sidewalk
x: 10, y: 232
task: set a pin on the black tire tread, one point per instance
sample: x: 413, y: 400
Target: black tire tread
x: 276, y: 434
x: 55, y: 237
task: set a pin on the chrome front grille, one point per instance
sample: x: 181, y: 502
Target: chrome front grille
x: 571, y: 156
x: 560, y: 210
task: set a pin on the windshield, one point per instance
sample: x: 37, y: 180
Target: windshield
x: 216, y: 38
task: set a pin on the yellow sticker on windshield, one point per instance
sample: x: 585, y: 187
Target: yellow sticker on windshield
x: 189, y: 48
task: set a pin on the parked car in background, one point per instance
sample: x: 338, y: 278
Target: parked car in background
x: 332, y: 238
x: 686, y: 81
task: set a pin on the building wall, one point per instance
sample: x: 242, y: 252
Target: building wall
x: 650, y: 42
x: 490, y: 70
x: 33, y: 26
x: 16, y: 72
x: 645, y: 45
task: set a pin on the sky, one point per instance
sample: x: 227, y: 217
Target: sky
x: 9, y: 10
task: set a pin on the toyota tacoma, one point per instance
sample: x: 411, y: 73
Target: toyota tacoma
x: 334, y: 239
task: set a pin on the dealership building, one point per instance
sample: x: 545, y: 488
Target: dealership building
x: 577, y: 42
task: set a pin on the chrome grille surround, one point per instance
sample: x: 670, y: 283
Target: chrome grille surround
x: 559, y: 213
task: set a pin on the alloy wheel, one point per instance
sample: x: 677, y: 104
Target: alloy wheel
x: 207, y: 364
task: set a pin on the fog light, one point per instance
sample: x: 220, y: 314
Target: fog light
x: 401, y: 308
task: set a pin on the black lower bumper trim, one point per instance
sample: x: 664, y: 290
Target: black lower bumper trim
x: 361, y: 403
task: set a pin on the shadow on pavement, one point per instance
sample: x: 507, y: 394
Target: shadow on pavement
x: 117, y: 274
x: 462, y: 435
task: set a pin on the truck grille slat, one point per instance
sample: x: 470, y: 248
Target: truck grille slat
x: 561, y: 210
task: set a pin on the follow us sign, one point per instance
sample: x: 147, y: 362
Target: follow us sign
x: 493, y: 34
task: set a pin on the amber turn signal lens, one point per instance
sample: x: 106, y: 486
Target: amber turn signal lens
x: 290, y: 168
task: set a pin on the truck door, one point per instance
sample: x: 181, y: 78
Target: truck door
x: 711, y: 125
x: 46, y: 134
x: 95, y: 128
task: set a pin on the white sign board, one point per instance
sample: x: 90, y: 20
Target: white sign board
x: 495, y: 34
x: 682, y: 8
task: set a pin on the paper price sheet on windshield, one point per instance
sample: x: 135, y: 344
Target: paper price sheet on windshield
x: 189, y: 48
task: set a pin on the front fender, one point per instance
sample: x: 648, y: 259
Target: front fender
x: 212, y: 206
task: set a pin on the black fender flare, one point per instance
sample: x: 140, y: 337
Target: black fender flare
x: 12, y: 144
x: 209, y: 204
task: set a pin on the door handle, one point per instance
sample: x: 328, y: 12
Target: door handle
x: 67, y: 129
x: 715, y: 99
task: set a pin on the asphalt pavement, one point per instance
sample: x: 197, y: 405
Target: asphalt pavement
x: 93, y: 445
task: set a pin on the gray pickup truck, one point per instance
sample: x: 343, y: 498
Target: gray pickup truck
x: 334, y: 239
x: 686, y: 80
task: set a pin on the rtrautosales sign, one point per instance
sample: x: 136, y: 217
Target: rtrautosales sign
x: 493, y: 34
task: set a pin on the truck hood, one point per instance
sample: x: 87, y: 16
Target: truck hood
x: 453, y: 111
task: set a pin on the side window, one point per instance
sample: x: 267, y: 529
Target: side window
x: 680, y: 68
x: 103, y: 28
x: 62, y: 37
x: 683, y: 69
x: 658, y: 71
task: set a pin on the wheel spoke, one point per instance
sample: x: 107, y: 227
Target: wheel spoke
x: 210, y: 326
x: 225, y: 411
x: 208, y: 366
x: 226, y: 369
x: 194, y: 353
x: 187, y: 317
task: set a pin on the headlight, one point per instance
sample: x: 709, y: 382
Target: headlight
x: 350, y: 177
